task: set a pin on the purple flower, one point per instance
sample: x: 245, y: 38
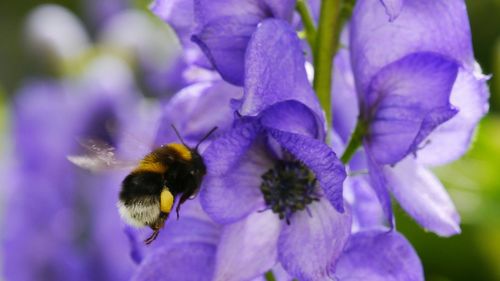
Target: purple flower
x: 224, y: 28
x: 194, y: 247
x: 379, y: 255
x: 274, y: 160
x: 61, y: 223
x: 420, y: 95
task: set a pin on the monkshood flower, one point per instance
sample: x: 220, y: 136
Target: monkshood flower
x: 274, y: 160
x: 221, y: 28
x: 60, y: 223
x: 194, y: 247
x: 420, y: 95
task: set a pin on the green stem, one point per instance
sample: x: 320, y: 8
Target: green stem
x: 307, y: 20
x: 326, y: 45
x: 270, y: 276
x: 355, y: 142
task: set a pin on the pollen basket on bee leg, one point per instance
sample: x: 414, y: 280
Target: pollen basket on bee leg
x: 166, y: 200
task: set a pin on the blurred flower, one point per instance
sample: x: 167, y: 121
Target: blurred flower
x: 152, y: 47
x: 61, y: 223
x: 54, y: 32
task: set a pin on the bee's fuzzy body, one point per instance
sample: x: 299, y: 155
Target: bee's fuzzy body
x: 148, y: 192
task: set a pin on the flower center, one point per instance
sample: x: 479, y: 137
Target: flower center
x: 288, y: 187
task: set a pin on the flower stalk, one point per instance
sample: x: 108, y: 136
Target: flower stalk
x: 355, y: 141
x: 326, y: 45
x: 308, y: 21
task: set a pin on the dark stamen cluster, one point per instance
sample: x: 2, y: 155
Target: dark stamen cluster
x: 288, y: 187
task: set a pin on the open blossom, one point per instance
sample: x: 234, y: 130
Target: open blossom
x: 274, y: 161
x: 420, y: 98
x: 195, y: 247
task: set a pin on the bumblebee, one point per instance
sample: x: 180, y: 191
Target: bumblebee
x: 167, y: 175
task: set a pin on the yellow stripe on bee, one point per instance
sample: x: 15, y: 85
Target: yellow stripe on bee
x: 183, y: 151
x: 166, y: 200
x: 151, y: 164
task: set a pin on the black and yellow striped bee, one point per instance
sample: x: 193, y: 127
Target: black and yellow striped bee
x: 169, y: 174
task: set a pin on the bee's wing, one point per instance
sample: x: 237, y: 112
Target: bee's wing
x: 100, y: 156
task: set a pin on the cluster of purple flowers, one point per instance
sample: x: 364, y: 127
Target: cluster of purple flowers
x: 406, y: 95
x: 289, y: 192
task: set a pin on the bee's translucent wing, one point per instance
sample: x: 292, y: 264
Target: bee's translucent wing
x: 100, y: 156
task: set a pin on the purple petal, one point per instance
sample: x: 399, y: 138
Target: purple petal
x: 421, y: 194
x: 179, y: 14
x: 248, y: 248
x: 379, y: 256
x: 453, y: 138
x: 229, y: 197
x: 275, y: 70
x: 309, y: 246
x: 366, y: 210
x: 180, y: 262
x: 406, y: 100
x: 197, y: 109
x: 392, y: 8
x: 282, y: 9
x: 225, y: 27
x: 224, y: 152
x: 320, y: 159
x: 291, y: 116
x: 345, y: 107
x: 422, y: 26
x: 379, y: 185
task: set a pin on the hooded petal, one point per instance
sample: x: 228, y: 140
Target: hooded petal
x: 406, y: 100
x: 248, y: 248
x: 320, y: 159
x: 422, y: 26
x: 379, y: 256
x: 225, y: 27
x: 392, y: 8
x: 275, y: 70
x: 291, y: 116
x: 452, y: 139
x: 309, y: 246
x: 421, y: 194
x: 231, y: 196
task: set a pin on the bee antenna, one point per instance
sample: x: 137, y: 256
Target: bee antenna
x: 178, y: 135
x: 205, y: 137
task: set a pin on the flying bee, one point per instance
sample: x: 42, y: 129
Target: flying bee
x: 170, y: 172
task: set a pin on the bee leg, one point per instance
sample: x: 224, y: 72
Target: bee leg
x: 184, y: 198
x: 152, y: 238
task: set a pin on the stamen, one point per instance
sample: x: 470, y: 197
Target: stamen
x: 287, y: 188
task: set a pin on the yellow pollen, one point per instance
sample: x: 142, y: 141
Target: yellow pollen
x: 166, y: 200
x: 183, y: 151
